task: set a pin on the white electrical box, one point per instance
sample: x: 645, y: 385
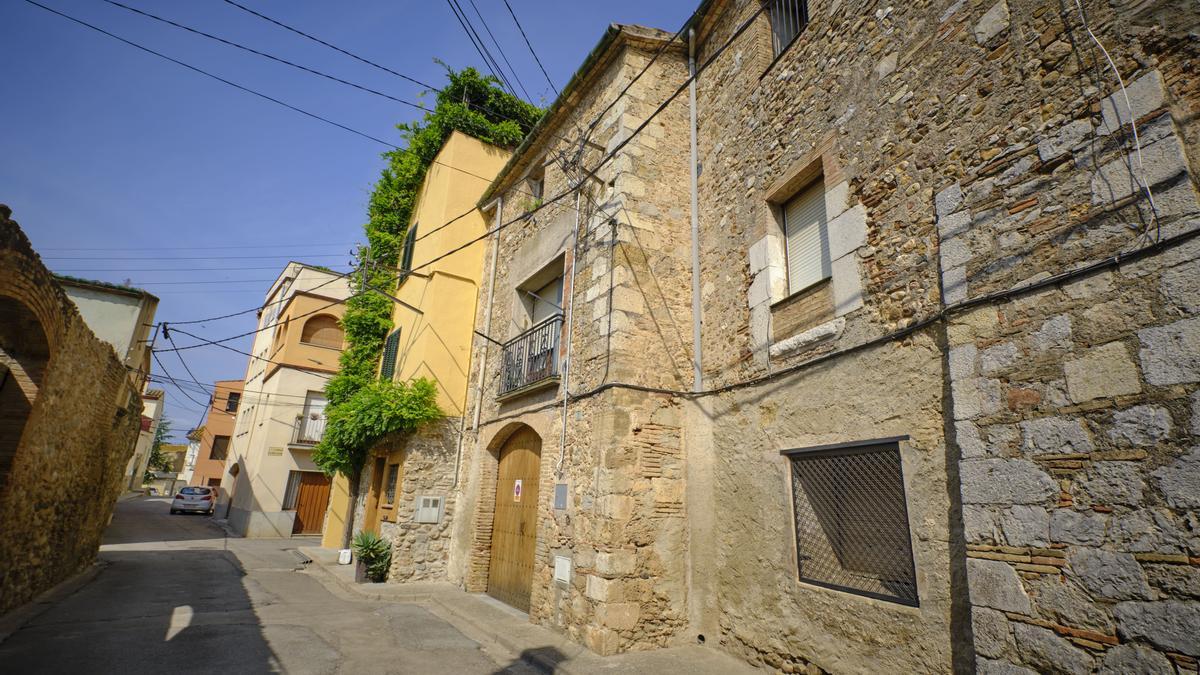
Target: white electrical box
x: 562, y: 569
x: 429, y: 509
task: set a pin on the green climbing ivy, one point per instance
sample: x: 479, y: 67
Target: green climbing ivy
x: 477, y: 106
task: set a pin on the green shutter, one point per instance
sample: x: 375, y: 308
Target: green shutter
x: 390, y: 349
x: 410, y: 241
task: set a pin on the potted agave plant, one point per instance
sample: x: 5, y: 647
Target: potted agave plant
x: 373, y: 557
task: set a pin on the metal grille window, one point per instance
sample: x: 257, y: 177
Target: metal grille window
x: 391, y: 347
x: 788, y: 19
x: 852, y: 519
x: 389, y: 492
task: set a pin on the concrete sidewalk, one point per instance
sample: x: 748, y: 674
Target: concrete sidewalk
x: 503, y: 628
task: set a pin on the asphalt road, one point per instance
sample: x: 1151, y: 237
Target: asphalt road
x: 175, y: 595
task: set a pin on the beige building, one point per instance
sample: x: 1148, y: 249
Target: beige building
x: 912, y: 386
x: 270, y: 486
x: 153, y: 405
x: 119, y: 315
x: 409, y: 483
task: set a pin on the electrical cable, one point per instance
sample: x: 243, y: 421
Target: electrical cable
x: 248, y: 90
x: 455, y: 9
x: 265, y: 55
x: 191, y: 248
x: 527, y: 44
x: 167, y: 374
x: 206, y: 341
x: 1137, y: 144
x: 501, y: 50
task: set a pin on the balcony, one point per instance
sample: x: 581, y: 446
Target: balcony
x: 309, y: 429
x: 531, y: 358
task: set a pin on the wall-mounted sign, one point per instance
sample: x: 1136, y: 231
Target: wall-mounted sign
x: 517, y: 491
x: 274, y: 452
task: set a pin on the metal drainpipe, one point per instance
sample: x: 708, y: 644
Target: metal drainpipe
x: 566, y: 380
x: 697, y: 374
x: 498, y: 203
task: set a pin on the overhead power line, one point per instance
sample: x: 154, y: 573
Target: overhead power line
x: 207, y: 257
x: 265, y: 55
x: 500, y: 49
x: 248, y: 90
x: 480, y: 48
x: 527, y: 44
x: 190, y: 248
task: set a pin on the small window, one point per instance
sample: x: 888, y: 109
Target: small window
x: 322, y: 330
x: 537, y: 183
x: 389, y: 492
x: 851, y: 520
x: 220, y: 448
x: 231, y: 403
x: 788, y: 19
x: 391, y: 350
x: 406, y: 257
x: 806, y: 238
x: 546, y: 300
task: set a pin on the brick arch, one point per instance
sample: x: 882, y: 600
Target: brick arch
x: 24, y: 356
x: 479, y: 560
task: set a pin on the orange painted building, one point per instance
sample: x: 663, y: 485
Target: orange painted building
x: 217, y: 433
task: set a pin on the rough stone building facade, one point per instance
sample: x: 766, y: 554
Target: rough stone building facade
x: 949, y: 399
x: 69, y: 415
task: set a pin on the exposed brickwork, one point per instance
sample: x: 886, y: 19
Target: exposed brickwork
x: 79, y: 430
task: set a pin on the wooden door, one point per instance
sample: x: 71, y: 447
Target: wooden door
x: 514, y: 528
x: 371, y: 513
x: 311, y: 503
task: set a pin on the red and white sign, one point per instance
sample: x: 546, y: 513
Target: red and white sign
x: 517, y: 491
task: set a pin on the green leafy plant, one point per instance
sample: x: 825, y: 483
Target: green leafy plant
x: 374, y: 553
x: 158, y: 461
x: 472, y: 104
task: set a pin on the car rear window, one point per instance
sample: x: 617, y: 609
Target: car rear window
x: 194, y: 491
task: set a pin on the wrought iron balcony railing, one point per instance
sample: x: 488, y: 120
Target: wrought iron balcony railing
x: 309, y: 430
x: 531, y: 357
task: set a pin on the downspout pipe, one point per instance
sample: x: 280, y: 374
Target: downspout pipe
x: 697, y: 372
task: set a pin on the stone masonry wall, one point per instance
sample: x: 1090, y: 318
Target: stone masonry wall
x: 969, y: 148
x: 79, y: 431
x: 420, y: 551
x: 1075, y: 403
x: 623, y: 529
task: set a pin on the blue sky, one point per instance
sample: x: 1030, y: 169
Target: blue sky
x: 134, y: 165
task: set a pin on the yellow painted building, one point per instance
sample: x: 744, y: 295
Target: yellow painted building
x: 433, y: 334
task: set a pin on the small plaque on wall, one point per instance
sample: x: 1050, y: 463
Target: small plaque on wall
x: 274, y: 452
x: 560, y: 496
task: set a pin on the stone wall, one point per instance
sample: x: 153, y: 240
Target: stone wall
x: 420, y: 551
x: 627, y: 289
x: 971, y: 147
x: 68, y: 417
x: 1074, y: 401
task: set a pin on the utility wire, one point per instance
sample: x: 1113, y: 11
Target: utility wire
x: 480, y: 48
x: 248, y: 90
x: 265, y: 55
x: 208, y: 257
x: 501, y: 50
x: 205, y: 341
x: 527, y: 44
x: 167, y: 374
x: 191, y: 248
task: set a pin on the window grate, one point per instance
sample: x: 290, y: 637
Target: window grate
x: 391, y: 349
x: 851, y: 521
x: 788, y: 19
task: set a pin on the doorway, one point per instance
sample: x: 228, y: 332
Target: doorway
x: 514, y: 526
x: 312, y: 498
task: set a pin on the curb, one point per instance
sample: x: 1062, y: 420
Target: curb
x: 16, y: 619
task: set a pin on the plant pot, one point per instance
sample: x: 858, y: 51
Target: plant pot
x: 360, y: 572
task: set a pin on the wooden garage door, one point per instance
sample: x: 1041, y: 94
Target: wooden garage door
x: 514, y: 529
x: 311, y: 502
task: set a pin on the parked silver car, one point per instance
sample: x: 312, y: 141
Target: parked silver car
x: 196, y: 499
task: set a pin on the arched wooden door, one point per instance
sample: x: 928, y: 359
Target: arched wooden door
x: 514, y: 528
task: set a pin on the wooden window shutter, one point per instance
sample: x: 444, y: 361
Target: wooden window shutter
x: 410, y: 241
x: 807, y: 235
x: 390, y: 350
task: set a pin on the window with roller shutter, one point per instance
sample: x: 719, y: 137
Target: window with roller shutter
x: 806, y: 237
